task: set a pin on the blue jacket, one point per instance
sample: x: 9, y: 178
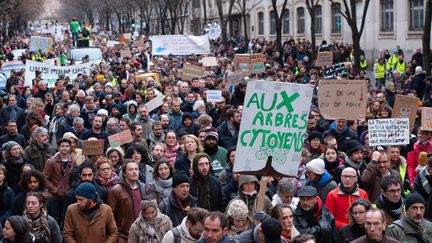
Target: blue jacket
x: 7, y: 198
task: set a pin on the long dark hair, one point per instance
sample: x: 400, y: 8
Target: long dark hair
x: 21, y: 228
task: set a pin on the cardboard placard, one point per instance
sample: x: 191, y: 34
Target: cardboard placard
x: 241, y: 62
x: 119, y: 46
x: 405, y: 106
x: 93, y: 147
x: 138, y: 43
x: 214, y: 96
x: 324, y: 59
x: 257, y: 63
x: 209, y: 62
x: 191, y: 71
x: 234, y: 78
x: 154, y: 103
x: 273, y: 127
x: 120, y: 138
x: 392, y: 131
x: 336, y: 70
x: 125, y: 53
x: 342, y: 99
x: 426, y: 119
x: 249, y: 63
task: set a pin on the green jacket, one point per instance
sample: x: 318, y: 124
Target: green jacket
x: 405, y: 231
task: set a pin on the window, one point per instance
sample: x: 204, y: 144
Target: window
x: 386, y: 15
x: 196, y: 3
x: 286, y: 22
x: 336, y: 18
x: 272, y: 23
x: 300, y: 20
x: 260, y: 23
x: 318, y: 19
x: 416, y: 14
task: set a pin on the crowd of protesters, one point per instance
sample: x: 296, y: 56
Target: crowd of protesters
x: 175, y: 181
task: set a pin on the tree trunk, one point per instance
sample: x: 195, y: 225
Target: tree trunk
x: 313, y: 38
x: 205, y: 12
x: 357, y: 50
x: 245, y: 28
x: 427, y: 38
x: 278, y: 40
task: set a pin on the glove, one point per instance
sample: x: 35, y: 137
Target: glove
x: 260, y: 215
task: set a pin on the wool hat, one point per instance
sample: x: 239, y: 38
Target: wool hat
x: 87, y: 190
x: 69, y: 135
x: 353, y: 146
x: 118, y: 149
x: 314, y: 134
x: 307, y: 191
x: 81, y: 94
x: 211, y: 133
x: 317, y: 166
x: 418, y: 69
x: 102, y: 112
x: 272, y: 230
x: 8, y: 146
x: 413, y: 198
x: 109, y: 84
x: 237, y: 209
x: 179, y: 177
x: 149, y: 203
x: 186, y: 115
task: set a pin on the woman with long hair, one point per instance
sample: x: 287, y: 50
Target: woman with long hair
x: 14, y: 162
x: 31, y: 181
x: 333, y: 164
x: 161, y: 187
x: 191, y: 147
x: 116, y: 155
x: 44, y: 227
x: 16, y: 229
x: 151, y: 225
x: 106, y: 176
x: 138, y: 153
x: 355, y: 229
x: 284, y: 213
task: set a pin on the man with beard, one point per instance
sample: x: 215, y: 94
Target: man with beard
x: 390, y: 200
x: 157, y: 135
x: 312, y: 216
x: 217, y: 153
x: 229, y: 129
x: 96, y: 130
x: 13, y: 135
x: 39, y: 150
x: 89, y: 220
x: 164, y: 119
x: 12, y: 112
x: 412, y: 227
x: 145, y: 121
x: 175, y: 115
x: 190, y: 229
x: 205, y: 187
x: 89, y: 111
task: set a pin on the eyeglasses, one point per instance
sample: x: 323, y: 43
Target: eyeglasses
x: 348, y: 176
x: 358, y: 213
x: 395, y: 191
x: 105, y: 169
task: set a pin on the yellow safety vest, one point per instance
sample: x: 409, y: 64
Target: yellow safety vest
x: 379, y: 70
x: 398, y: 66
x: 363, y: 64
x: 391, y: 61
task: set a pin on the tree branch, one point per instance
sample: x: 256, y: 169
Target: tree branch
x: 365, y: 8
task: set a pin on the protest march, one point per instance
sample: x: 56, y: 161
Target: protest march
x: 109, y: 137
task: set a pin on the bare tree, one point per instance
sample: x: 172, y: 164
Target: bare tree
x: 350, y: 15
x: 224, y: 19
x: 427, y: 38
x: 177, y: 10
x: 278, y: 21
x: 311, y: 6
x: 242, y: 7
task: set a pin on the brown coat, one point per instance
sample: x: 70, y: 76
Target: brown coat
x: 365, y: 239
x: 57, y: 177
x: 121, y: 203
x: 79, y: 228
x: 371, y: 180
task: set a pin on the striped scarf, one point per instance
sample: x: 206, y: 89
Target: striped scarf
x: 39, y: 226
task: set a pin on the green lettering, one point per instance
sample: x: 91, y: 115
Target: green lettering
x: 272, y: 141
x: 287, y: 141
x: 287, y: 120
x: 281, y: 136
x: 287, y: 100
x: 253, y: 99
x: 269, y: 121
x: 294, y: 122
x: 258, y: 117
x: 299, y: 145
x: 278, y: 119
x: 242, y: 141
x: 272, y: 105
x: 304, y: 118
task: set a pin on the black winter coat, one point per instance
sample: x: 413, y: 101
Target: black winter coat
x: 226, y: 139
x: 170, y: 208
x: 214, y: 189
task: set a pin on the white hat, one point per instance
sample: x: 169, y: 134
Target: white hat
x: 109, y: 84
x: 418, y: 69
x: 102, y: 112
x: 317, y: 166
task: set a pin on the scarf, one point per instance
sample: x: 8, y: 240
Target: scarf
x: 153, y: 139
x: 148, y: 230
x: 39, y: 226
x: 325, y: 178
x: 163, y: 187
x: 108, y: 183
x: 15, y: 160
x: 13, y: 113
x: 394, y: 209
x: 331, y: 166
x: 185, y: 204
x: 345, y: 191
x: 171, y: 154
x: 424, y: 180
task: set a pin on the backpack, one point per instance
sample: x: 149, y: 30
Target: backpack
x: 176, y: 234
x: 85, y: 32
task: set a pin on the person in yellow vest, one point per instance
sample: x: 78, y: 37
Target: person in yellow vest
x: 400, y: 64
x: 391, y: 61
x: 379, y: 71
x: 363, y: 63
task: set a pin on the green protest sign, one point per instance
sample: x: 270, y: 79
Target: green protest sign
x: 273, y: 124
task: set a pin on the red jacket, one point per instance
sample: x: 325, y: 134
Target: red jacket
x: 338, y: 203
x: 413, y: 156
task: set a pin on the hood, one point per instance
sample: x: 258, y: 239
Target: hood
x: 195, y: 160
x: 247, y: 178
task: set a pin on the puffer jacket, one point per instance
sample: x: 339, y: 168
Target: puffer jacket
x: 321, y: 225
x: 323, y: 186
x: 58, y: 177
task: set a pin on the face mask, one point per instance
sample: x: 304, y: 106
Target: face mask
x: 250, y: 193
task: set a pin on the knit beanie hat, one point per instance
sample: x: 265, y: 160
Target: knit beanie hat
x: 179, y: 178
x: 8, y: 146
x: 413, y: 198
x: 87, y: 190
x: 314, y: 134
x: 211, y: 133
x: 118, y: 149
x: 237, y: 209
x: 353, y: 146
x: 317, y: 166
x: 423, y: 158
x: 186, y: 115
x: 148, y: 203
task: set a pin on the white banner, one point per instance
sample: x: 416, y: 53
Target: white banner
x: 274, y: 124
x: 180, y: 44
x: 50, y: 73
x: 392, y: 131
x: 40, y: 43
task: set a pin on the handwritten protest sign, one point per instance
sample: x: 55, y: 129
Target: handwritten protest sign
x: 209, y: 61
x: 406, y: 107
x: 273, y: 124
x: 426, y: 119
x: 120, y: 138
x: 138, y: 43
x: 214, y: 96
x: 125, y: 53
x: 324, y: 58
x: 257, y: 63
x: 180, y: 44
x: 392, y: 131
x: 50, y: 72
x: 342, y: 99
x: 93, y: 147
x: 336, y: 70
x: 234, y: 78
x: 241, y: 62
x: 154, y: 103
x: 249, y: 63
x: 191, y: 71
x: 40, y: 43
x: 119, y: 46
